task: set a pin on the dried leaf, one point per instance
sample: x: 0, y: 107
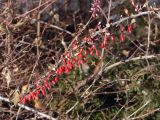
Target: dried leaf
x: 85, y: 68
x: 15, y: 68
x: 125, y: 53
x: 16, y: 97
x: 37, y: 42
x: 56, y: 17
x: 51, y: 67
x: 38, y: 104
x: 2, y: 29
x: 126, y: 11
x: 19, y: 23
x: 133, y: 21
x: 25, y: 89
x: 7, y: 75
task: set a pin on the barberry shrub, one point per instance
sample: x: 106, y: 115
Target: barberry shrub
x: 80, y: 52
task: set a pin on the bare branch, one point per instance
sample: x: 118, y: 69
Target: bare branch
x: 28, y: 108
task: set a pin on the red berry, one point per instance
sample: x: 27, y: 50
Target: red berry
x: 122, y: 37
x: 102, y: 45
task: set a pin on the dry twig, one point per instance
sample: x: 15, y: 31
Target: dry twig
x: 28, y: 109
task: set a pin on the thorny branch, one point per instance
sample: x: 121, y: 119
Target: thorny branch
x: 28, y: 109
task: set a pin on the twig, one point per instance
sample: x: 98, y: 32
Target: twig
x: 118, y: 112
x: 18, y: 113
x: 108, y: 23
x: 38, y: 30
x: 34, y: 67
x: 28, y: 108
x: 122, y: 20
x: 58, y: 28
x: 149, y: 35
x: 38, y: 7
x: 149, y: 32
x: 139, y: 109
x: 72, y: 107
x: 145, y: 115
x: 106, y: 68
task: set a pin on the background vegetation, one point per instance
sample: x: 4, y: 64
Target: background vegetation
x: 117, y: 79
